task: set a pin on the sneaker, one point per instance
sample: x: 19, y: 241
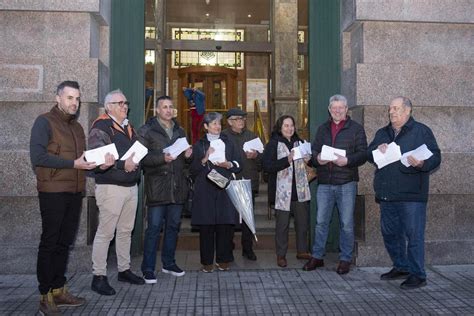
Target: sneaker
x: 223, y: 266
x: 413, y: 282
x: 207, y: 268
x: 101, y: 285
x: 173, y: 270
x: 47, y: 305
x: 62, y: 297
x: 149, y: 277
x: 129, y: 277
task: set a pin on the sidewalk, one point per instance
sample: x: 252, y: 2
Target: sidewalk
x: 255, y: 291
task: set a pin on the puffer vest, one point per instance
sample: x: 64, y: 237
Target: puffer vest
x: 68, y: 142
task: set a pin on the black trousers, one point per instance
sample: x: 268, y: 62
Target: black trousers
x: 60, y: 213
x: 216, y: 238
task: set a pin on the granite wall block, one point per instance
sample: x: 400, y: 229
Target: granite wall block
x: 46, y: 34
x: 452, y: 11
x: 420, y: 43
x: 426, y: 85
x: 40, y: 77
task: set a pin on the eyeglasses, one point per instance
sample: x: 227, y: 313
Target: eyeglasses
x: 238, y: 119
x: 120, y: 103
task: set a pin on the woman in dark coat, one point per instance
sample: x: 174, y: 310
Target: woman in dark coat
x: 212, y: 209
x: 288, y: 188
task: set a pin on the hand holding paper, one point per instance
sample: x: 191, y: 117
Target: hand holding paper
x: 139, y: 150
x: 391, y: 155
x: 328, y: 153
x: 421, y: 153
x: 97, y: 155
x: 180, y: 145
x: 219, y: 151
x: 254, y: 144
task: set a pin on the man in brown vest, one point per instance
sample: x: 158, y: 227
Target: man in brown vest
x: 57, y: 147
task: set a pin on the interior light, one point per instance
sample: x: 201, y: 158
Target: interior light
x: 207, y: 14
x: 249, y: 16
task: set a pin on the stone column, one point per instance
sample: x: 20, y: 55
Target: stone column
x: 285, y: 40
x: 160, y: 55
x: 42, y: 45
x: 421, y: 50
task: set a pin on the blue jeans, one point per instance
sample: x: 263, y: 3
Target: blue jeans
x: 403, y: 222
x: 329, y: 196
x: 171, y: 215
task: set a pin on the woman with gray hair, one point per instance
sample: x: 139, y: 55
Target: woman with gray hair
x: 212, y: 209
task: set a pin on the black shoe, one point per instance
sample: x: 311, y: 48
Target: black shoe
x: 249, y: 254
x: 128, y: 276
x: 149, y: 277
x: 173, y: 270
x: 413, y: 282
x: 101, y: 285
x: 394, y: 274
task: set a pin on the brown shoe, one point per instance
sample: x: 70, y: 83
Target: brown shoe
x: 313, y: 263
x: 47, y: 305
x: 303, y: 255
x: 62, y: 297
x: 223, y: 266
x: 343, y: 267
x: 281, y: 261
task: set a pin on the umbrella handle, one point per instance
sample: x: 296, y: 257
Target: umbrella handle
x: 255, y: 236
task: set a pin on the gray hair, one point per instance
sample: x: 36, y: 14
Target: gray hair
x: 109, y: 95
x: 211, y: 116
x: 337, y: 98
x: 405, y: 101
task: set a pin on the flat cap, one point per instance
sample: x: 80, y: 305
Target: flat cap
x: 235, y: 112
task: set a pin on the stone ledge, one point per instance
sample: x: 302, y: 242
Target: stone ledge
x: 100, y: 8
x: 425, y: 85
x: 448, y: 11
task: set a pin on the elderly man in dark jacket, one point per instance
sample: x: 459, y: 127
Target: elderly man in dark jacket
x: 402, y: 193
x: 165, y: 188
x: 251, y: 164
x: 337, y: 181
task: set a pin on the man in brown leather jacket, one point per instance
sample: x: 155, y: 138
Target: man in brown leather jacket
x: 57, y: 147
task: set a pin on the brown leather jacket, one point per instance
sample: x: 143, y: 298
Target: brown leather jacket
x: 67, y: 143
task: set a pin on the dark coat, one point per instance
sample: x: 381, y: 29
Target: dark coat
x: 272, y: 165
x: 352, y: 139
x: 165, y: 183
x: 211, y: 204
x: 250, y: 167
x: 395, y: 182
x: 105, y: 131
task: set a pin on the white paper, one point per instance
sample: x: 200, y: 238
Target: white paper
x: 219, y: 151
x: 421, y: 153
x: 139, y: 150
x: 391, y: 155
x: 305, y: 148
x: 297, y: 153
x: 328, y: 153
x: 97, y: 155
x: 254, y: 144
x: 180, y: 145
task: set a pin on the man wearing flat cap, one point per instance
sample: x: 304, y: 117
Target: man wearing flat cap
x: 251, y: 165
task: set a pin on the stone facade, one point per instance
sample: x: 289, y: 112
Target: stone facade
x: 43, y: 43
x: 422, y: 50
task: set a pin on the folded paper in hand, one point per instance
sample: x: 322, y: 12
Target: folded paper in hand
x: 180, y: 145
x: 254, y: 144
x: 97, y: 155
x: 303, y: 149
x: 391, y: 155
x: 328, y: 153
x: 219, y: 151
x: 421, y: 153
x: 139, y: 150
